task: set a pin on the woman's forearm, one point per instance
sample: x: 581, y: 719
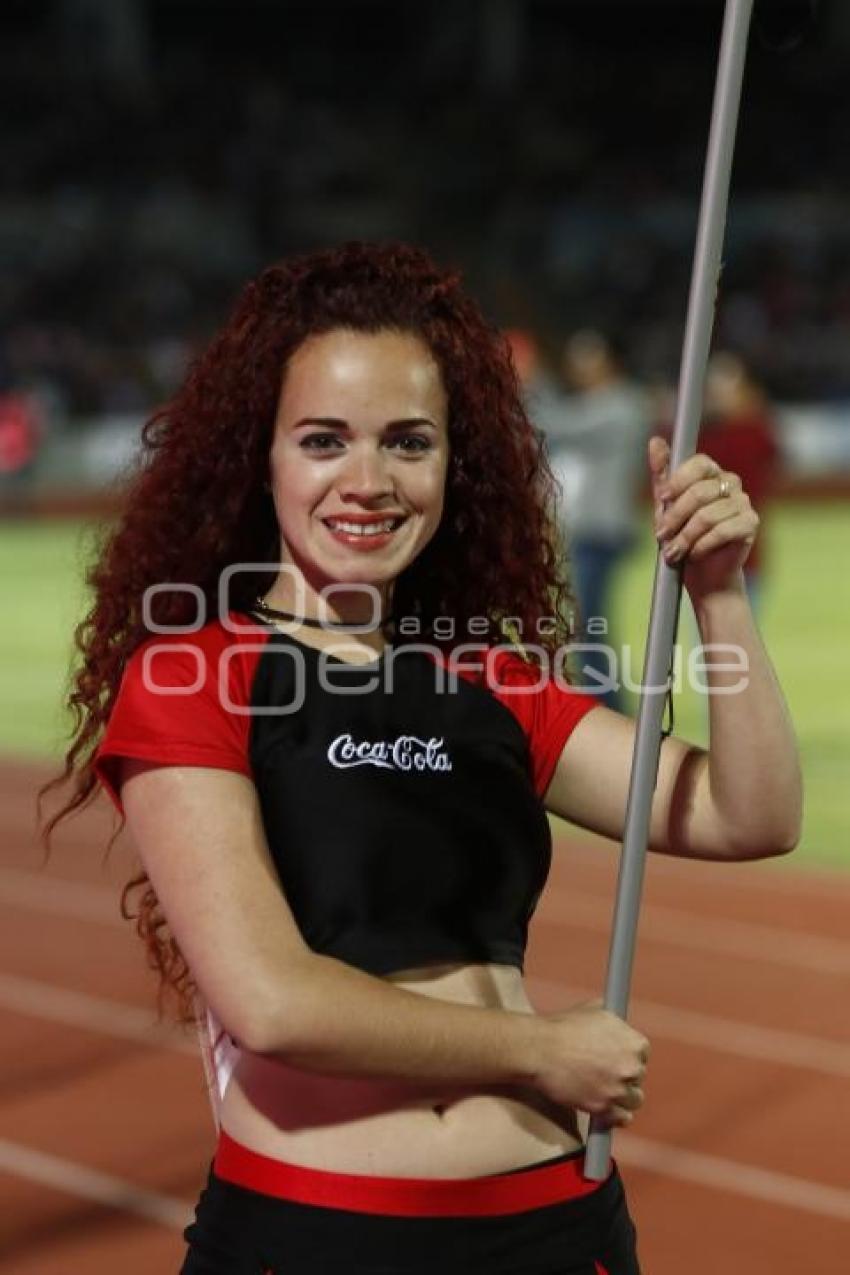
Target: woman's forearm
x: 337, y: 1019
x: 753, y: 765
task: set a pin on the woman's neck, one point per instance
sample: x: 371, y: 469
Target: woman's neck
x: 358, y: 612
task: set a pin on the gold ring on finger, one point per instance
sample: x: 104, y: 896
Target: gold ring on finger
x: 725, y: 488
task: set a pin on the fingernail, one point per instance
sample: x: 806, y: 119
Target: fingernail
x: 664, y: 492
x: 672, y: 552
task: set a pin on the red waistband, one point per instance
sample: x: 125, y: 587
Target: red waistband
x: 402, y: 1197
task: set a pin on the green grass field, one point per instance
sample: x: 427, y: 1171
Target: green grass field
x: 805, y: 621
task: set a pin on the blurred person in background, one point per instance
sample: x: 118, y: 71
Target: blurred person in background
x: 525, y: 353
x: 541, y: 392
x: 597, y: 439
x: 738, y: 432
x: 20, y: 437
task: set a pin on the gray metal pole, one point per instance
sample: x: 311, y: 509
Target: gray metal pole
x: 667, y: 585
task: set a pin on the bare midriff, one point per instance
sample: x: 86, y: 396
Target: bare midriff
x: 395, y: 1128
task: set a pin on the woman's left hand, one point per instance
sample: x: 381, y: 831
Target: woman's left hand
x: 702, y: 517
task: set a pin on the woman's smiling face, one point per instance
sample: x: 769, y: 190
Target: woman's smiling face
x: 359, y: 456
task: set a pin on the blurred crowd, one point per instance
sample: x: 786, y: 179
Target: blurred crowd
x: 132, y: 206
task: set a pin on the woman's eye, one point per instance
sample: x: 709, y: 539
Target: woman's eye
x: 408, y: 443
x: 321, y: 442
x: 413, y: 443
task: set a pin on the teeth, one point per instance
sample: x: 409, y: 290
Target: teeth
x: 361, y: 529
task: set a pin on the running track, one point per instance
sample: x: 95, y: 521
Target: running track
x: 739, y: 1163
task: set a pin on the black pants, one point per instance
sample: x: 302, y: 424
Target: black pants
x: 242, y: 1232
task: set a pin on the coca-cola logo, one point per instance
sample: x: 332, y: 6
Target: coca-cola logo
x: 406, y: 753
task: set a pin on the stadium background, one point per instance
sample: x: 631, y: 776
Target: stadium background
x: 155, y: 154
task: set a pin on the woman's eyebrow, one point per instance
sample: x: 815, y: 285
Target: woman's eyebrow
x: 411, y: 423
x: 333, y: 422
x: 328, y: 422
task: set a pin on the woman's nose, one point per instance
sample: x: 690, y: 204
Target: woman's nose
x: 366, y: 474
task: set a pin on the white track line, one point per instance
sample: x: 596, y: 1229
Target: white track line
x: 764, y: 876
x: 112, y: 1018
x: 723, y: 1035
x: 769, y: 944
x: 674, y: 926
x: 715, y: 1172
x: 732, y: 1177
x: 89, y: 1184
x: 35, y: 999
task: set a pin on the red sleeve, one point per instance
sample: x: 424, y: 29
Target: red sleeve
x: 178, y: 703
x: 547, y: 709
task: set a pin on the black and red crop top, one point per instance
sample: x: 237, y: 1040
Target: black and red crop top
x: 402, y: 805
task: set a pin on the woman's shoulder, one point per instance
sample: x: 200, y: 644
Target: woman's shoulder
x: 534, y: 688
x: 182, y: 700
x: 210, y: 638
x: 221, y: 652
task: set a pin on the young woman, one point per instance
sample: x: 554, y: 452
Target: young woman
x: 335, y: 761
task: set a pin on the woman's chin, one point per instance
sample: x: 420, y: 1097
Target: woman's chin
x: 325, y: 574
x: 361, y: 568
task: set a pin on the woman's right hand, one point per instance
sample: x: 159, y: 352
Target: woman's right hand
x: 594, y: 1062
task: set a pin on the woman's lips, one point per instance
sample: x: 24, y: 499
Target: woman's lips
x: 367, y: 540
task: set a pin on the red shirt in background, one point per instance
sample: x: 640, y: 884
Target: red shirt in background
x: 746, y: 445
x: 19, y: 433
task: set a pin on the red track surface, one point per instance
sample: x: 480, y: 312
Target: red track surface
x: 739, y: 1162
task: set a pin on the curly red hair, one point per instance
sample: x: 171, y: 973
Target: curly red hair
x: 197, y: 502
